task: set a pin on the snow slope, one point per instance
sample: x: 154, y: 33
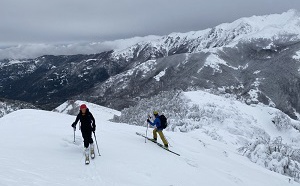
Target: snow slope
x: 239, y: 120
x: 37, y: 149
x: 271, y: 27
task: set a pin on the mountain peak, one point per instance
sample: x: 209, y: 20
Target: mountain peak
x: 227, y: 34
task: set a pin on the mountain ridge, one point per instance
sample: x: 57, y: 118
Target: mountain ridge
x: 228, y: 57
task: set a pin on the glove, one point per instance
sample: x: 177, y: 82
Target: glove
x: 94, y: 128
x: 73, y: 125
x: 148, y: 120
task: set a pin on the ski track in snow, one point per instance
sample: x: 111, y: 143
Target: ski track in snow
x: 39, y: 150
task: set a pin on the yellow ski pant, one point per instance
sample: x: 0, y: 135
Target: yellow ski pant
x: 161, y: 134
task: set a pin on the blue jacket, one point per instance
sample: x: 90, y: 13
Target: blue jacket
x: 156, y: 123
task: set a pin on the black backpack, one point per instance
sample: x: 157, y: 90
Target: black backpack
x: 163, y: 121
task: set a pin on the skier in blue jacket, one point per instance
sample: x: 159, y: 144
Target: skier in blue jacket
x: 158, y: 129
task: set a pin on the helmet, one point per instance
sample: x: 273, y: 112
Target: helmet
x: 155, y: 112
x: 83, y: 106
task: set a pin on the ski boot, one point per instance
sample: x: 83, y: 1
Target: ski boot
x: 87, y: 158
x: 166, y: 146
x: 154, y: 140
x: 92, y: 150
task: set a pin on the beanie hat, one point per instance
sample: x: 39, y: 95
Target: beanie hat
x: 83, y: 106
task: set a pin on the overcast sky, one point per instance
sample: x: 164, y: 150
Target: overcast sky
x: 75, y: 21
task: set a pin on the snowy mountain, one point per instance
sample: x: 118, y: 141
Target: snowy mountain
x: 125, y: 158
x: 269, y: 27
x: 71, y: 107
x: 8, y: 106
x: 255, y: 58
x: 30, y: 51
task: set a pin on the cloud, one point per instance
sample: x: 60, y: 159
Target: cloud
x: 26, y: 51
x: 58, y: 22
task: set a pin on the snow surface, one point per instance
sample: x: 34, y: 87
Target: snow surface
x: 270, y: 26
x: 5, y: 108
x: 39, y: 150
x: 297, y: 56
x: 241, y: 120
x: 213, y: 61
x: 159, y: 75
x: 12, y: 62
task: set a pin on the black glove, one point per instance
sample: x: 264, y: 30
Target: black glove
x: 148, y: 120
x: 73, y: 125
x: 94, y: 128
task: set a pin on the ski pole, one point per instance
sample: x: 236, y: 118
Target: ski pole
x: 149, y: 117
x: 96, y: 144
x: 146, y: 132
x: 74, y: 135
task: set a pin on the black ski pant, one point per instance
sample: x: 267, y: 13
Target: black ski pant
x: 87, y: 137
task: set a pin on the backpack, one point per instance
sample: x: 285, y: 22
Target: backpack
x: 163, y: 121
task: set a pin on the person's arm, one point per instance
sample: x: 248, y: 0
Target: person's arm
x: 93, y: 122
x: 156, y: 122
x: 150, y: 122
x: 76, y: 121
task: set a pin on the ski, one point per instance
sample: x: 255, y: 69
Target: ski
x: 160, y: 145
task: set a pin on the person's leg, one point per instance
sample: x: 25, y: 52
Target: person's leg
x: 161, y: 134
x: 86, y: 141
x: 89, y: 137
x: 155, y: 134
x: 86, y: 138
x: 91, y: 142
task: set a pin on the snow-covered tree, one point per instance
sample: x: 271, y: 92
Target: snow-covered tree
x: 8, y: 106
x: 274, y: 155
x: 282, y: 121
x: 181, y: 114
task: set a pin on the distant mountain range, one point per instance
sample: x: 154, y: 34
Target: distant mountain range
x: 257, y: 59
x: 8, y: 106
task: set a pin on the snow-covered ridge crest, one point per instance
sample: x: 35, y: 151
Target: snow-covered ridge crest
x: 271, y: 27
x: 71, y: 107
